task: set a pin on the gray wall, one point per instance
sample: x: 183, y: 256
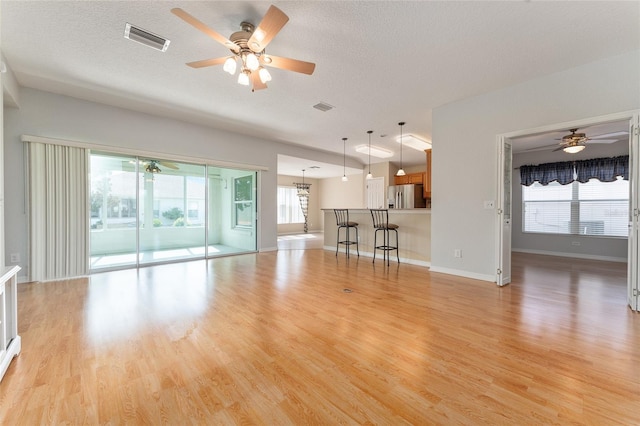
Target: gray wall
x: 55, y: 116
x: 465, y: 150
x: 593, y: 247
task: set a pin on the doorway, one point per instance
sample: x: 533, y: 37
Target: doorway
x: 622, y: 131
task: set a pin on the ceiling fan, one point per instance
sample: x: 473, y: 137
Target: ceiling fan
x: 576, y: 142
x: 153, y: 166
x: 248, y: 49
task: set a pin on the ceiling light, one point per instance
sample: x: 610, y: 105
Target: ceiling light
x: 414, y: 142
x: 230, y: 65
x: 573, y: 149
x: 344, y: 160
x: 369, y: 175
x: 264, y: 75
x: 401, y: 171
x: 251, y: 61
x: 243, y: 77
x: 376, y: 151
x: 145, y: 37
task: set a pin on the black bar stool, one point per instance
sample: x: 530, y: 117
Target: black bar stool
x: 381, y: 223
x: 343, y: 222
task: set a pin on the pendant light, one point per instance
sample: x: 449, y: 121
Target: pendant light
x: 369, y: 175
x: 344, y: 160
x: 401, y: 171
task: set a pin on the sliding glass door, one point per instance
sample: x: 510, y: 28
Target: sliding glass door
x: 172, y: 211
x: 146, y: 211
x: 113, y: 211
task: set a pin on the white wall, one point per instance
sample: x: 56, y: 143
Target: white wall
x: 594, y: 247
x: 465, y: 150
x: 335, y: 194
x: 54, y: 116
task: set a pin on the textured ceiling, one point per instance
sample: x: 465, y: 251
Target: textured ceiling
x: 377, y: 62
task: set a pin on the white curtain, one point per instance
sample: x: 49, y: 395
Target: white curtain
x: 58, y: 211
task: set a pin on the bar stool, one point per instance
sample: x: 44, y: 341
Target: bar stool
x: 343, y: 222
x: 381, y: 223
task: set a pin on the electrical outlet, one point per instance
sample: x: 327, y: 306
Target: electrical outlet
x: 14, y: 258
x: 457, y: 253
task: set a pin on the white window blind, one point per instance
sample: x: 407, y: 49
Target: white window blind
x: 592, y: 208
x: 289, y: 210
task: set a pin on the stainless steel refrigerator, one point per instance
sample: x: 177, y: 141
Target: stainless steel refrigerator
x: 405, y: 197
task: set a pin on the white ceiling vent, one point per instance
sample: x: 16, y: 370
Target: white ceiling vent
x: 146, y: 38
x: 323, y: 106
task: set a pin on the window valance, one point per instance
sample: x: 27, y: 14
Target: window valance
x: 565, y: 172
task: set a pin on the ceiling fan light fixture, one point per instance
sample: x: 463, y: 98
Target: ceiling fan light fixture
x: 573, y: 149
x: 243, y: 77
x: 251, y: 60
x: 230, y: 65
x: 264, y: 75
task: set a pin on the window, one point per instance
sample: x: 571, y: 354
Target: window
x: 243, y: 190
x: 591, y: 208
x: 289, y: 210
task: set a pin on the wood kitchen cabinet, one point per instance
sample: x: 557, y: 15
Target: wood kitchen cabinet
x: 426, y: 188
x: 410, y: 178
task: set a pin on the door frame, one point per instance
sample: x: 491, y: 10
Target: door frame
x: 503, y: 256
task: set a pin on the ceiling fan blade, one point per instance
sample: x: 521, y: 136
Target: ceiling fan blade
x: 257, y: 83
x: 267, y: 29
x: 610, y: 135
x: 207, y: 62
x: 540, y: 148
x: 169, y: 165
x: 288, y: 64
x: 205, y: 29
x: 603, y: 140
x: 559, y: 148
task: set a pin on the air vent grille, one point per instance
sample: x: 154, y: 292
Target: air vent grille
x: 146, y: 38
x: 323, y: 106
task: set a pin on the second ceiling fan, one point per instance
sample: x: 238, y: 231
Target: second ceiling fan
x: 248, y: 49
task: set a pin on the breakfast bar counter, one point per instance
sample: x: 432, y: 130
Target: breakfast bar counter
x: 414, y: 234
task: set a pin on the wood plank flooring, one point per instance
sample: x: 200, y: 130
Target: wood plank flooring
x: 273, y: 339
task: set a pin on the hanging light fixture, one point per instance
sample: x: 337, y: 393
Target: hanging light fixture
x: 369, y: 175
x: 303, y: 188
x: 230, y: 65
x: 573, y: 149
x: 344, y: 160
x: 401, y: 171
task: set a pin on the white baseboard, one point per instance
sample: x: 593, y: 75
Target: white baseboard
x: 573, y: 255
x: 370, y: 254
x: 465, y: 274
x: 265, y: 249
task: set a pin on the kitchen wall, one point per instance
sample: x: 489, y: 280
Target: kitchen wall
x: 466, y: 148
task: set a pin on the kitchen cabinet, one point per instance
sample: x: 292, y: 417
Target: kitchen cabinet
x: 426, y: 188
x: 410, y: 178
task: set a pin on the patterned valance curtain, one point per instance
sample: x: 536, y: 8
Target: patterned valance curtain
x: 549, y: 172
x: 603, y: 169
x: 565, y: 172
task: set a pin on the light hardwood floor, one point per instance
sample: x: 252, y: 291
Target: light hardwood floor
x: 273, y: 339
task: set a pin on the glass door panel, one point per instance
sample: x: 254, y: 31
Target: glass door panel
x: 172, y: 211
x: 113, y: 211
x: 231, y: 212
